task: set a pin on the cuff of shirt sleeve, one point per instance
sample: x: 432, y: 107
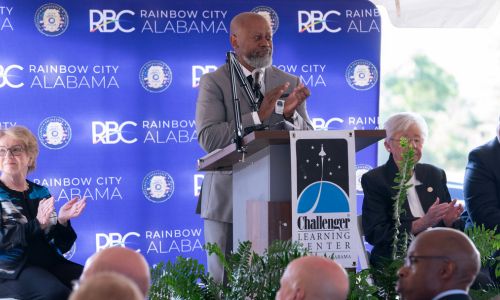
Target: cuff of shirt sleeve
x: 256, y: 119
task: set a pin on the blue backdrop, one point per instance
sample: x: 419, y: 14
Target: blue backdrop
x: 109, y: 88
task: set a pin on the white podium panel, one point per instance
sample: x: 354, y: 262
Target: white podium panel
x: 323, y: 183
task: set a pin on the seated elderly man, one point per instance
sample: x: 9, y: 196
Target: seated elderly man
x: 107, y: 286
x: 441, y: 264
x: 313, y: 278
x: 120, y: 260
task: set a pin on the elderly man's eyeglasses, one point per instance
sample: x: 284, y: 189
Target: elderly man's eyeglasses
x: 14, y: 151
x: 413, y: 259
x: 415, y: 141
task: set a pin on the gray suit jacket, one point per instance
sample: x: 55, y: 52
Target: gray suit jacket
x: 215, y: 127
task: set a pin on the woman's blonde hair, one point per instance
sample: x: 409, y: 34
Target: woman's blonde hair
x: 28, y: 140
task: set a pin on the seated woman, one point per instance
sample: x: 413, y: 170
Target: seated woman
x: 428, y: 202
x: 32, y: 234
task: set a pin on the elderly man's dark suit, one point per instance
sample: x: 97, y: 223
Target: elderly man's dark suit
x: 482, y: 188
x: 378, y: 225
x: 215, y: 127
x: 482, y: 185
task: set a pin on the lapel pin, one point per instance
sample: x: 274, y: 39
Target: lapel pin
x: 430, y: 189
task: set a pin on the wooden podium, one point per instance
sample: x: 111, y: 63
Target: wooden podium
x: 262, y: 183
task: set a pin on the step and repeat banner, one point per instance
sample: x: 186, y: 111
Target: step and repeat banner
x: 109, y: 88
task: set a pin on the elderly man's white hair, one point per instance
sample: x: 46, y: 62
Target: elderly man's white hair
x: 403, y: 121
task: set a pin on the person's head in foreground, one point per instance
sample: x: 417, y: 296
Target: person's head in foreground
x: 438, y: 260
x: 313, y: 278
x: 107, y: 286
x: 120, y: 260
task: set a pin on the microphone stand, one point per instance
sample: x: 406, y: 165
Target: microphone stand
x: 238, y: 127
x: 234, y: 66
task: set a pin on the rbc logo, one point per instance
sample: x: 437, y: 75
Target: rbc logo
x: 322, y: 124
x: 108, y: 20
x: 4, y: 76
x: 113, y: 239
x: 315, y: 21
x: 198, y: 181
x: 198, y: 71
x: 110, y: 132
x: 54, y: 133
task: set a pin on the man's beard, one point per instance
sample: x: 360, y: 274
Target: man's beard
x: 259, y: 62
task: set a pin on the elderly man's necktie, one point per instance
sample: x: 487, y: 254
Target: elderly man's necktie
x: 256, y: 87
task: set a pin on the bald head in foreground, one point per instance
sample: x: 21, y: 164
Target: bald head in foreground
x: 313, y: 278
x: 107, y: 286
x: 120, y: 260
x: 441, y: 263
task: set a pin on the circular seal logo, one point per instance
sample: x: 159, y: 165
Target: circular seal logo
x: 361, y: 75
x: 360, y: 170
x: 158, y: 186
x: 270, y: 15
x: 68, y: 255
x: 51, y: 19
x: 54, y: 133
x: 155, y: 76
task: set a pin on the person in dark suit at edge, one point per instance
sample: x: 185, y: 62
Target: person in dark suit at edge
x: 482, y: 186
x: 251, y: 39
x: 428, y: 202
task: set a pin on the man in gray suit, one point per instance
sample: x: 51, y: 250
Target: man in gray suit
x: 251, y: 39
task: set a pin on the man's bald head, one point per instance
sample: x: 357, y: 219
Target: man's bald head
x: 107, y: 286
x: 457, y: 247
x: 313, y: 277
x: 245, y: 19
x: 251, y: 38
x: 438, y: 260
x: 120, y: 260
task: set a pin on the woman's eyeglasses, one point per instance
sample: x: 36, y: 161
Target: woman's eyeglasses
x: 415, y: 141
x: 14, y: 151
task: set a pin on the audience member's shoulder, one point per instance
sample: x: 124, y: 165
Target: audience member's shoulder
x: 483, y: 152
x: 489, y: 146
